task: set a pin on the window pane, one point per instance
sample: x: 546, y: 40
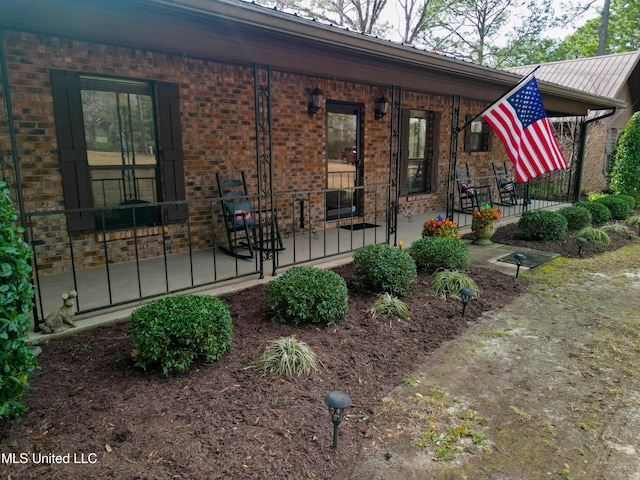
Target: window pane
x: 417, y: 137
x: 121, y: 145
x: 416, y: 177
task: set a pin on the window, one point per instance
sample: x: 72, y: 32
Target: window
x: 418, y: 162
x: 612, y: 137
x: 476, y: 135
x: 111, y: 151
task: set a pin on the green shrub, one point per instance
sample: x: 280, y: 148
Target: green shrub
x: 433, y: 253
x: 599, y: 212
x: 287, y: 356
x: 307, y: 294
x: 173, y: 332
x: 625, y: 171
x: 389, y: 305
x: 383, y: 268
x: 627, y: 198
x: 16, y: 293
x: 618, y: 207
x: 450, y: 282
x: 542, y: 225
x: 577, y: 217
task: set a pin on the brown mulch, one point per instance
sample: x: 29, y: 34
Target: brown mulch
x: 87, y: 403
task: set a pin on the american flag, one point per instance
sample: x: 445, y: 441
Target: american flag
x: 521, y: 122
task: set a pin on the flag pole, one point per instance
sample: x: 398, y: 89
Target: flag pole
x: 459, y: 129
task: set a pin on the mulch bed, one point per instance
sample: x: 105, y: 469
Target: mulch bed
x: 223, y: 421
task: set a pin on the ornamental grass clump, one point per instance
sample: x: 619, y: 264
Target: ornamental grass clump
x: 440, y: 227
x: 307, y: 294
x: 594, y: 235
x: 433, y: 253
x: 287, y: 356
x: 388, y: 305
x: 633, y: 221
x: 16, y: 294
x: 173, y: 332
x: 450, y: 282
x: 542, y: 225
x: 484, y: 218
x: 383, y: 268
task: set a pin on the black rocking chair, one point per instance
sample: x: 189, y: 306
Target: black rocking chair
x: 467, y: 192
x: 241, y: 223
x: 505, y: 187
x: 239, y: 220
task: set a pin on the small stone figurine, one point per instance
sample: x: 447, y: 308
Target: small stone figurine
x: 62, y: 319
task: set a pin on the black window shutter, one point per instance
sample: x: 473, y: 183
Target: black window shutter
x: 171, y: 157
x: 76, y: 181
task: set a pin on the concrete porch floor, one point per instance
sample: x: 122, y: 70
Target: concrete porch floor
x: 132, y: 285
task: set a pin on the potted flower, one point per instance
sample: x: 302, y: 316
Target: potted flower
x: 440, y: 227
x: 483, y: 224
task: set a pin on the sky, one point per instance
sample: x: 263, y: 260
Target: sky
x: 393, y: 9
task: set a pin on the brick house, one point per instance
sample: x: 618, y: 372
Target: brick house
x: 107, y: 106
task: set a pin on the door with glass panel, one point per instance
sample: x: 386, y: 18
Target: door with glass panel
x: 344, y: 161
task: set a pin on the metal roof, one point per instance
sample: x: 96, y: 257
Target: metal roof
x: 604, y: 75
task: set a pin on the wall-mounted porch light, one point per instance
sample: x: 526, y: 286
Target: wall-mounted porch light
x: 382, y: 107
x: 316, y: 101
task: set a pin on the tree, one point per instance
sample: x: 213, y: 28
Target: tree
x: 625, y: 171
x: 360, y: 15
x: 475, y: 29
x: 417, y: 16
x: 622, y: 34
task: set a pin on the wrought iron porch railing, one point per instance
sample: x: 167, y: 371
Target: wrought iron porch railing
x: 145, y: 257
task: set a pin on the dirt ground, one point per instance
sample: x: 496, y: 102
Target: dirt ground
x: 542, y: 370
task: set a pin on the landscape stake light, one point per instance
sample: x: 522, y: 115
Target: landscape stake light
x: 520, y: 257
x: 581, y: 243
x: 337, y: 402
x: 466, y: 294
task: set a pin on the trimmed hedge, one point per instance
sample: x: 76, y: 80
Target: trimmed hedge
x: 599, y: 212
x: 433, y: 253
x: 383, y: 268
x: 577, y: 217
x: 174, y: 332
x: 618, y: 207
x: 542, y: 225
x: 307, y: 294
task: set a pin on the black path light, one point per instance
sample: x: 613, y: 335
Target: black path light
x: 520, y: 257
x: 337, y: 402
x: 466, y: 294
x: 581, y: 241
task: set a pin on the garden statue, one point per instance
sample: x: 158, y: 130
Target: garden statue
x: 62, y: 319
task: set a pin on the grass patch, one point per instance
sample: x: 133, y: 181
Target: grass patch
x: 436, y: 422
